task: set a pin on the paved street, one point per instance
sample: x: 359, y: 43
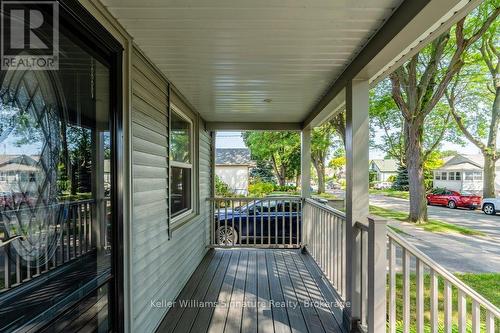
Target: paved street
x: 474, y: 219
x: 457, y: 253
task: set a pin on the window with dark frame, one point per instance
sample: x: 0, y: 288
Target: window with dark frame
x: 181, y: 164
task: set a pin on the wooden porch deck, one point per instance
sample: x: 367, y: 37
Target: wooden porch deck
x: 255, y: 290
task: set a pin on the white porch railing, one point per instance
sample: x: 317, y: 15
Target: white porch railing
x: 324, y: 237
x: 429, y: 279
x: 270, y: 222
x: 70, y: 239
x: 386, y: 264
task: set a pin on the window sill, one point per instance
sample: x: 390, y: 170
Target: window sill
x: 181, y: 220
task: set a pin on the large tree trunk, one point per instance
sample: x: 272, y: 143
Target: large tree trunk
x: 489, y: 177
x: 320, y: 170
x: 415, y: 166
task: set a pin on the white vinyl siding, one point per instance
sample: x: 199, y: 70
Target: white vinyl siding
x: 160, y: 266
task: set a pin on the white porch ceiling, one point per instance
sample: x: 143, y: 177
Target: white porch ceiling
x: 228, y: 56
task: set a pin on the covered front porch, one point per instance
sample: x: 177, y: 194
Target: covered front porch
x: 256, y: 290
x: 158, y: 80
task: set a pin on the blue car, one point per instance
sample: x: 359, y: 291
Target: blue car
x: 265, y: 221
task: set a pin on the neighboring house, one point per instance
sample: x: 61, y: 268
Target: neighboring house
x: 18, y: 169
x: 463, y: 173
x: 384, y: 169
x: 232, y: 165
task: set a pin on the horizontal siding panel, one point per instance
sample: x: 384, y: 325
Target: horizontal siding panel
x: 139, y: 131
x: 149, y: 122
x: 149, y: 196
x: 160, y: 266
x: 142, y: 94
x: 142, y: 171
x: 141, y: 80
x: 140, y: 158
x: 141, y: 107
x: 144, y: 185
x: 145, y: 146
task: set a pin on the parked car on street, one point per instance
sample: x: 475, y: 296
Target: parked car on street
x: 258, y: 221
x: 490, y: 206
x: 453, y: 199
x: 382, y: 185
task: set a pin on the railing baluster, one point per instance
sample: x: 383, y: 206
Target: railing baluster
x: 290, y: 224
x: 89, y: 212
x: 68, y: 233
x: 299, y: 221
x: 37, y: 264
x: 420, y: 296
x: 476, y: 317
x: 254, y: 205
x: 246, y: 223
x: 232, y: 223
x: 447, y: 307
x: 330, y: 247
x: 75, y: 217
x: 339, y: 255
x: 490, y: 322
x: 283, y: 223
x: 18, y: 269
x: 392, y: 286
x: 80, y: 228
x: 434, y: 301
x: 462, y: 312
x: 7, y: 267
x: 46, y: 255
x: 28, y: 269
x: 406, y: 291
x: 262, y: 222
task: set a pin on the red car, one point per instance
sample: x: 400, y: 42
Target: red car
x: 453, y: 199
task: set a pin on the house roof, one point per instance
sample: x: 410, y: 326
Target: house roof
x: 233, y: 156
x: 459, y: 166
x: 465, y: 161
x: 386, y: 165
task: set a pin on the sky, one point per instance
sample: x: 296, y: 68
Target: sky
x: 234, y: 140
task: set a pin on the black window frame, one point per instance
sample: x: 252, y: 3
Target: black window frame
x: 88, y: 33
x: 101, y: 44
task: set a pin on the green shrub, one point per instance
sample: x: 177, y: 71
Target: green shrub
x: 260, y: 189
x: 222, y: 189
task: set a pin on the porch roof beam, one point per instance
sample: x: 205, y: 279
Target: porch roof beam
x: 252, y: 126
x: 411, y: 27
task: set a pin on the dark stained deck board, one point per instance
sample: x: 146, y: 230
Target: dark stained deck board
x: 219, y: 316
x: 234, y: 316
x: 264, y: 312
x: 280, y: 316
x: 327, y: 290
x: 324, y: 309
x: 295, y: 314
x: 248, y: 285
x: 198, y: 319
x: 311, y: 317
x: 211, y: 259
x: 248, y: 322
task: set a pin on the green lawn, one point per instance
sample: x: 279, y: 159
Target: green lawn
x: 327, y: 196
x: 432, y: 225
x: 391, y: 193
x: 486, y: 284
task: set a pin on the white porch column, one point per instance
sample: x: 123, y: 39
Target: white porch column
x: 357, y: 140
x: 305, y: 163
